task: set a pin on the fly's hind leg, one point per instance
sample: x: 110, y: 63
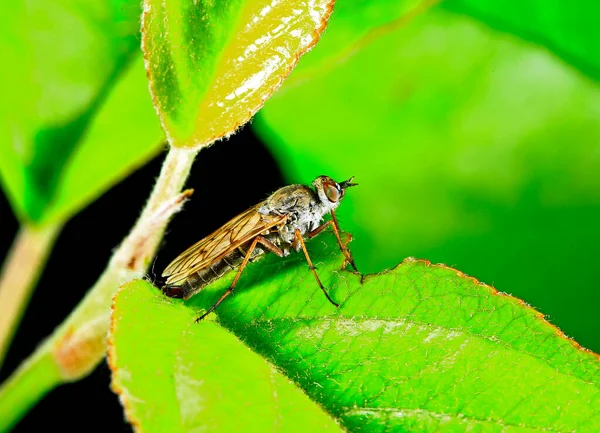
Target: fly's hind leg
x: 336, y: 229
x: 259, y: 239
x: 300, y: 241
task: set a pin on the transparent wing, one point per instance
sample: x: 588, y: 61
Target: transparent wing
x: 224, y: 240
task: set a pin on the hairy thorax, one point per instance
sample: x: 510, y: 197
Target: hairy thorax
x: 304, y: 209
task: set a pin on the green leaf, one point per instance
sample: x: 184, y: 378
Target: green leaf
x: 470, y: 148
x: 76, y: 115
x: 420, y: 348
x: 212, y: 64
x: 124, y: 134
x: 169, y: 379
x: 569, y: 29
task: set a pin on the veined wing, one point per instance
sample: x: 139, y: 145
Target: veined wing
x: 221, y: 242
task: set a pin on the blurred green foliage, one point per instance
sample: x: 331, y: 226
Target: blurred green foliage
x: 472, y: 147
x: 76, y: 115
x: 569, y: 29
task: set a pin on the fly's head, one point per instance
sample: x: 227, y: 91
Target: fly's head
x: 331, y: 192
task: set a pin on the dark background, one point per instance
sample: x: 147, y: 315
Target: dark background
x: 227, y: 178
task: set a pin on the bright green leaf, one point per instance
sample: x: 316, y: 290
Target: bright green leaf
x: 76, y: 115
x: 175, y: 375
x: 212, y: 64
x: 569, y: 29
x: 470, y: 147
x: 420, y: 348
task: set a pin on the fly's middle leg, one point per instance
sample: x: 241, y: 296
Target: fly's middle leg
x: 300, y: 241
x: 259, y: 239
x: 336, y: 229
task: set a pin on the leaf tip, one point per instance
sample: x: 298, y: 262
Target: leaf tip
x: 523, y: 304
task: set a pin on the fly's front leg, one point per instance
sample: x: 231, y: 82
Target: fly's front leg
x: 259, y: 239
x: 336, y: 229
x: 299, y: 241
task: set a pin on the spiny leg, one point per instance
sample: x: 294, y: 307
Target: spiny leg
x: 269, y: 245
x: 336, y: 229
x: 299, y: 239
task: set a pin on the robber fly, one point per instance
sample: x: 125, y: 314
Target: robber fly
x: 276, y: 225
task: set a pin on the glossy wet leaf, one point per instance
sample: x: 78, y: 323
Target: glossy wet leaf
x: 471, y: 148
x: 212, y: 64
x: 76, y: 115
x: 420, y: 348
x: 569, y: 29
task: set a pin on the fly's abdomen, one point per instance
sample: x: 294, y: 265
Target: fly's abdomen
x: 198, y: 280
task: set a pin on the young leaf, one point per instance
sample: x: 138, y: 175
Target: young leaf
x: 470, y: 147
x: 419, y: 348
x: 76, y: 115
x: 212, y: 64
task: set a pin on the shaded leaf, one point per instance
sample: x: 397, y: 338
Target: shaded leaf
x: 212, y: 64
x: 471, y: 148
x: 73, y: 97
x: 418, y: 348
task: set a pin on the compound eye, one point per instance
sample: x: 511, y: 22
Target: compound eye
x: 332, y: 192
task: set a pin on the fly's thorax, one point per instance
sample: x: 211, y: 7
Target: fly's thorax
x: 304, y: 207
x: 289, y: 199
x: 302, y: 219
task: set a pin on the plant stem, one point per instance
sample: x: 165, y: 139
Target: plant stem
x: 32, y: 381
x: 79, y: 343
x: 19, y: 275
